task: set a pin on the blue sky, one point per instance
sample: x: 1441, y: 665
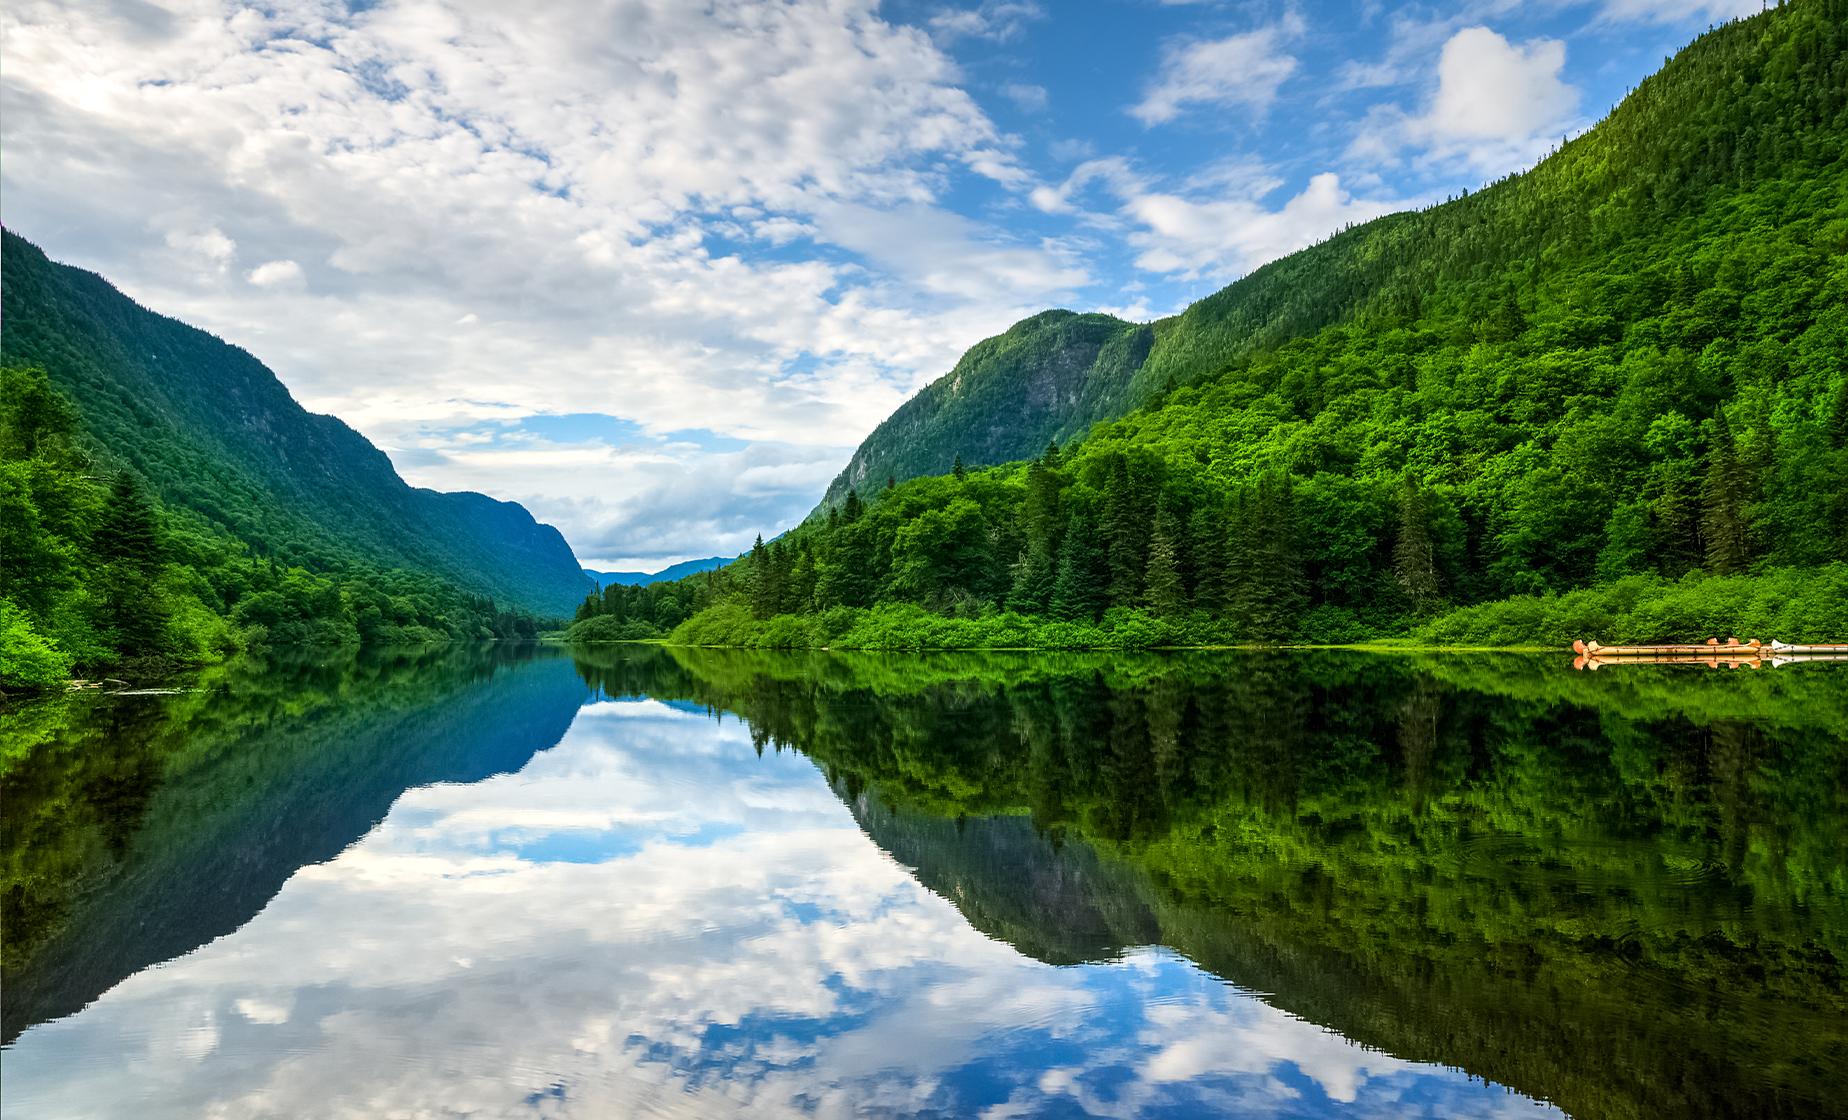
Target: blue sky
x: 654, y: 268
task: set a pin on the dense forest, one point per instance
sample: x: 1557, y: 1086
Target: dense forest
x: 101, y: 573
x: 1607, y: 396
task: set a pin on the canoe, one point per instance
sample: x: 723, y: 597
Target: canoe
x: 1818, y: 648
x: 1732, y: 647
x: 1710, y: 660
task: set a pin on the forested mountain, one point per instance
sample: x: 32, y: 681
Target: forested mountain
x: 1049, y: 377
x: 1622, y: 375
x: 212, y: 430
x: 163, y: 499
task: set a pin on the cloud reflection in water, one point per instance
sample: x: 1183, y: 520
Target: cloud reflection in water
x: 650, y: 920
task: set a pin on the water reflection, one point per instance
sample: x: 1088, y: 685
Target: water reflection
x: 692, y: 883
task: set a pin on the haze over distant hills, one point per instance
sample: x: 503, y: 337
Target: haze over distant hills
x: 671, y: 572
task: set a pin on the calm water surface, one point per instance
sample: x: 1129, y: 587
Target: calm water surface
x: 646, y: 882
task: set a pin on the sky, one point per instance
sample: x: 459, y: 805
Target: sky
x: 654, y: 268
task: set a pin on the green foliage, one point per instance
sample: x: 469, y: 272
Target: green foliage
x: 1626, y: 365
x: 99, y: 573
x: 609, y: 628
x: 27, y: 658
x: 216, y: 439
x: 1788, y: 604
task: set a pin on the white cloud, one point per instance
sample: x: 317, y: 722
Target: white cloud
x: 1237, y: 72
x: 1497, y: 107
x: 563, y: 185
x: 1215, y: 224
x: 998, y: 20
x: 1490, y: 89
x: 1029, y: 97
x: 1229, y: 237
x: 1679, y: 11
x: 276, y: 274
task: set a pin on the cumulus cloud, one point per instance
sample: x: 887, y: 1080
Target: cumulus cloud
x: 1236, y: 72
x: 1233, y: 236
x: 1497, y: 106
x: 1216, y: 224
x: 576, y: 188
x: 276, y: 274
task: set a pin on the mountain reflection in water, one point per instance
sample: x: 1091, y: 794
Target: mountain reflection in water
x: 647, y: 881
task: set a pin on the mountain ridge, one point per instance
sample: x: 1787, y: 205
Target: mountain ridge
x: 213, y: 430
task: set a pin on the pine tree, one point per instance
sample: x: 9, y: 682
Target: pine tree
x: 1163, y: 592
x: 1078, y: 590
x: 1207, y: 533
x: 128, y: 542
x: 1414, y: 555
x: 127, y: 532
x: 1123, y: 539
x: 852, y: 508
x: 763, y: 581
x: 961, y: 472
x: 1723, y: 499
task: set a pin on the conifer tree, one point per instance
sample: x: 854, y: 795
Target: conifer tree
x: 1078, y: 590
x: 1723, y: 500
x: 763, y: 580
x: 128, y: 542
x: 1206, y: 532
x: 1414, y: 555
x: 1163, y: 592
x: 961, y: 472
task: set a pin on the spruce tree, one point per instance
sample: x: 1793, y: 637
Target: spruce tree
x: 1723, y: 500
x: 127, y: 540
x: 961, y: 472
x: 1206, y: 531
x: 1414, y: 555
x: 1163, y: 592
x: 1078, y: 589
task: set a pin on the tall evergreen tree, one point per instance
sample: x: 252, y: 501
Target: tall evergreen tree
x: 1163, y: 591
x: 1723, y: 502
x: 128, y: 542
x: 1206, y: 532
x: 1414, y: 554
x: 1079, y: 590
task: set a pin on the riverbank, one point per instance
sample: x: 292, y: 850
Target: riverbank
x: 1791, y: 604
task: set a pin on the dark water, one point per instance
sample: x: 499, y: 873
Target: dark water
x: 509, y: 882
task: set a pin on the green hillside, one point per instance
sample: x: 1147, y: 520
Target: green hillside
x: 1049, y: 377
x: 1609, y: 394
x: 163, y: 499
x: 212, y: 430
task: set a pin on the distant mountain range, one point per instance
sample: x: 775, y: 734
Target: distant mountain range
x: 212, y: 430
x: 673, y: 572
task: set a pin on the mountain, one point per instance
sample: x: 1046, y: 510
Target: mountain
x: 665, y: 575
x: 1047, y: 378
x: 1605, y: 395
x: 1671, y: 144
x: 212, y: 431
